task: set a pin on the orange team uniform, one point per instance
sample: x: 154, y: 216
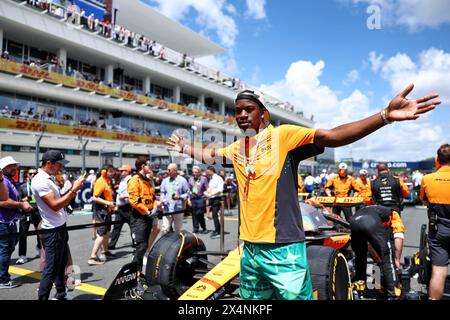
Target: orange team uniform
x: 364, y: 190
x: 270, y: 213
x: 141, y: 194
x: 435, y: 190
x: 395, y: 223
x: 102, y: 189
x: 404, y: 190
x: 342, y: 187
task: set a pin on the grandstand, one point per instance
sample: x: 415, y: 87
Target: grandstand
x: 74, y: 78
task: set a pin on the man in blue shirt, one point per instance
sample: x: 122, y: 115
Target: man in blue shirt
x: 174, y: 192
x: 10, y: 213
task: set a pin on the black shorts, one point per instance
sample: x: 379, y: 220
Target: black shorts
x: 141, y: 227
x: 102, y: 216
x: 439, y: 246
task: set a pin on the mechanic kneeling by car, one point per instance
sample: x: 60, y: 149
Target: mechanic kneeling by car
x: 435, y: 193
x: 376, y: 225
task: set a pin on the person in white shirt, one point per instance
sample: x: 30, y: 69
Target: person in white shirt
x: 309, y: 183
x: 417, y: 180
x: 51, y: 208
x: 123, y: 212
x: 214, y: 193
x: 91, y: 177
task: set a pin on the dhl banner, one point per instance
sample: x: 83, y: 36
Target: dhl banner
x: 34, y: 126
x: 56, y: 78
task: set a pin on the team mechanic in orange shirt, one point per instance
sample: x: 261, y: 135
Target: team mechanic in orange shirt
x: 103, y: 206
x: 435, y: 193
x: 274, y: 263
x: 363, y: 187
x: 342, y: 184
x: 144, y: 228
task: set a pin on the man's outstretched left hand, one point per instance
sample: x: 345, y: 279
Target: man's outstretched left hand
x: 401, y: 108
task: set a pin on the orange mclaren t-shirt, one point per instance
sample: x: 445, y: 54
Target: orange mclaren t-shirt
x: 435, y: 189
x: 270, y: 213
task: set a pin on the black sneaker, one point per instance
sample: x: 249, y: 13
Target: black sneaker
x: 215, y: 235
x: 204, y: 231
x: 61, y: 296
x: 108, y: 254
x: 9, y: 285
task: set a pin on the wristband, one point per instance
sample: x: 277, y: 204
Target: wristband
x: 72, y: 191
x: 384, y: 116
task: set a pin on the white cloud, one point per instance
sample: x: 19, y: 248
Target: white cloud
x: 407, y: 141
x: 256, y: 9
x: 430, y: 73
x: 351, y: 77
x: 375, y: 61
x: 414, y: 14
x: 423, y: 13
x: 256, y: 75
x: 225, y: 63
x: 211, y: 15
x: 302, y: 87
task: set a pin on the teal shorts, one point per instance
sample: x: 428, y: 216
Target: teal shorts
x: 275, y: 272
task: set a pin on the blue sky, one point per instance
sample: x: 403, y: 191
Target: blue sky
x: 322, y: 57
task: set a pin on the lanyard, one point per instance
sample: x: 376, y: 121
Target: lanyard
x: 28, y: 189
x: 173, y: 187
x: 250, y: 167
x: 196, y: 185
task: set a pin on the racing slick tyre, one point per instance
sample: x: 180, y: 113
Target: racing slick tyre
x: 329, y: 273
x: 172, y: 263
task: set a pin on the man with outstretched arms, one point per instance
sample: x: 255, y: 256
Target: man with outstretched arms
x: 274, y: 263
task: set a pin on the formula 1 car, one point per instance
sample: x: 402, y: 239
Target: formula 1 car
x: 181, y: 266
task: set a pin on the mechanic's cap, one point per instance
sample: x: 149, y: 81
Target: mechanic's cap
x: 257, y: 97
x: 6, y: 161
x: 363, y: 172
x: 54, y: 156
x: 324, y: 170
x: 91, y: 171
x: 125, y: 167
x: 343, y: 166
